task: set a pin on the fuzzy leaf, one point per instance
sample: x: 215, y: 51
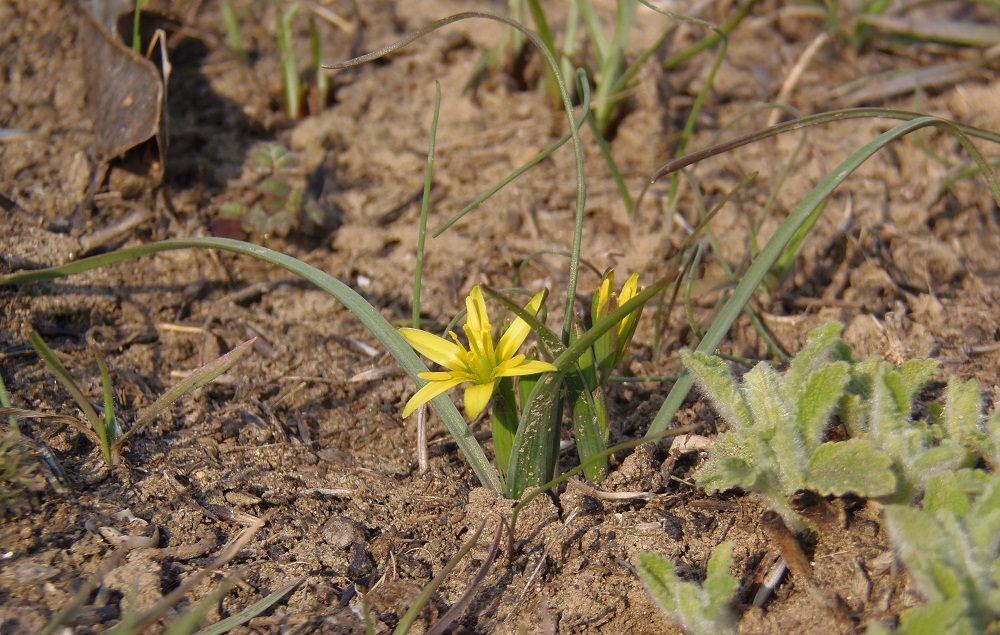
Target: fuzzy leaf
x: 963, y: 412
x: 730, y: 464
x: 714, y: 379
x: 775, y: 431
x: 945, y: 494
x: 700, y: 611
x: 946, y: 457
x: 818, y: 397
x: 946, y: 616
x: 719, y: 585
x: 854, y: 466
x: 817, y: 352
x: 909, y: 379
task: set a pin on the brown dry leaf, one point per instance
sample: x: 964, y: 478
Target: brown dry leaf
x: 125, y: 96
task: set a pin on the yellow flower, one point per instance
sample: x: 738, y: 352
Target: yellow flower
x: 482, y: 364
x: 610, y: 348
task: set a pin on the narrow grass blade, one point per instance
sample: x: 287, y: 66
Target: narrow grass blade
x: 57, y: 368
x: 425, y: 595
x: 289, y: 72
x: 108, y: 431
x: 251, y: 611
x: 191, y: 620
x: 777, y: 245
x: 198, y: 378
x: 365, y: 312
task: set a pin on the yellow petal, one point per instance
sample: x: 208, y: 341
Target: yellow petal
x: 518, y: 331
x: 629, y: 290
x: 443, y: 376
x: 526, y: 367
x: 477, y: 397
x: 434, y: 348
x: 476, y: 318
x: 428, y: 392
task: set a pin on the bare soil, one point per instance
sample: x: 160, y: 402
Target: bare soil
x: 327, y: 462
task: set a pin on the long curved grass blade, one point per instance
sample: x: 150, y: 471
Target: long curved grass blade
x: 198, y: 378
x: 365, y: 312
x: 425, y: 595
x: 251, y: 611
x: 812, y: 120
x: 776, y: 246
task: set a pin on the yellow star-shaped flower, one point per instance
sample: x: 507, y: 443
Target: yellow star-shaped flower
x: 482, y: 364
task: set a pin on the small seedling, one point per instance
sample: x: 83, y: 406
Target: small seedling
x: 104, y: 430
x: 271, y: 205
x: 951, y: 549
x: 774, y: 444
x: 700, y: 610
x: 879, y: 405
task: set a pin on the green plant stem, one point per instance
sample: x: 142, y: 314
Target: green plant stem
x: 425, y: 203
x: 713, y: 38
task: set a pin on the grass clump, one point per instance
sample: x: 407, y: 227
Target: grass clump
x: 104, y: 429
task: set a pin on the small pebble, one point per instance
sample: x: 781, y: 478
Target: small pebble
x: 340, y: 532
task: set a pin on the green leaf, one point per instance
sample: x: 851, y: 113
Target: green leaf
x: 590, y: 425
x: 536, y: 445
x: 945, y: 616
x: 730, y: 464
x: 714, y: 379
x: 701, y: 611
x: 505, y: 421
x: 963, y: 419
x: 853, y: 466
x: 719, y: 585
x: 57, y: 369
x: 188, y: 622
x: 251, y: 611
x: 779, y: 445
x: 817, y: 353
x: 819, y: 394
x: 945, y: 493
